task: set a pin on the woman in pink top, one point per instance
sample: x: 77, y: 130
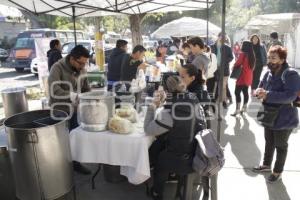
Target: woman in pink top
x: 246, y: 60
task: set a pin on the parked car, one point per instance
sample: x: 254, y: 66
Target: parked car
x: 38, y: 63
x: 89, y: 44
x: 3, y: 54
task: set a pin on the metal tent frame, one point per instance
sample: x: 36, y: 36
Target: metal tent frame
x: 88, y: 7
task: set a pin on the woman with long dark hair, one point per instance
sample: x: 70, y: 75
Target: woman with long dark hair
x: 246, y: 61
x: 194, y: 81
x: 261, y: 60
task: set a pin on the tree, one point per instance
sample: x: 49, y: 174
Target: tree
x: 135, y: 27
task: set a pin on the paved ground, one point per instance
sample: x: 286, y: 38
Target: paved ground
x: 244, y: 146
x: 10, y: 78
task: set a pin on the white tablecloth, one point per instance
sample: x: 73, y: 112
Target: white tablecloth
x: 128, y: 151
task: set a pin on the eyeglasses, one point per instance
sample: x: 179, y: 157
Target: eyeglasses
x: 272, y: 58
x: 80, y: 63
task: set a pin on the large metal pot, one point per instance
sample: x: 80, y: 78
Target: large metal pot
x: 39, y: 150
x: 14, y: 101
x: 95, y: 109
x: 7, y: 188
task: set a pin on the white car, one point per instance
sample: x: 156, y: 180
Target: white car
x: 38, y: 65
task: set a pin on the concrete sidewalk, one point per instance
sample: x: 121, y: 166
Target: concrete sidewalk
x: 243, y: 140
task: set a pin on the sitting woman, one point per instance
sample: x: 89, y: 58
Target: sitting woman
x: 176, y: 125
x: 195, y: 83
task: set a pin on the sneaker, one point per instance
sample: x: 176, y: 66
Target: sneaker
x: 154, y: 195
x: 274, y: 178
x: 236, y: 113
x: 261, y: 168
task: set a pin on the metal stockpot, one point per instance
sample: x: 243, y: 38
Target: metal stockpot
x: 39, y: 150
x: 14, y: 101
x: 7, y: 188
x: 95, y: 109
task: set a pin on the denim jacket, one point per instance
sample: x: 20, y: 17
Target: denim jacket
x: 282, y: 91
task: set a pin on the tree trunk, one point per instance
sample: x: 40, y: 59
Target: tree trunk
x: 135, y: 27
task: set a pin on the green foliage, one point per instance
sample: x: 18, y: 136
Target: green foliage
x: 69, y: 26
x: 61, y: 22
x: 238, y: 14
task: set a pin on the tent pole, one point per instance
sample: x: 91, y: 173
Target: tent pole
x: 74, y: 24
x: 207, y: 19
x: 214, y: 179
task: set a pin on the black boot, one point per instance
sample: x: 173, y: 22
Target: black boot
x: 154, y: 195
x: 80, y: 168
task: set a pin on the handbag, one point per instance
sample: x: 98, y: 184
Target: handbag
x: 267, y: 115
x: 236, y: 72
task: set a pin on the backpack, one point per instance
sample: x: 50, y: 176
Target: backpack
x: 209, y: 155
x: 296, y: 103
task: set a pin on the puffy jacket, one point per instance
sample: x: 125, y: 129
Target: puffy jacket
x: 180, y: 139
x: 246, y: 76
x: 178, y: 134
x: 114, y: 64
x: 281, y: 92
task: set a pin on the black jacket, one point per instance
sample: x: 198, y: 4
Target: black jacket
x: 179, y: 141
x: 199, y: 91
x: 53, y: 55
x: 228, y: 57
x: 114, y: 64
x: 203, y: 97
x: 129, y: 68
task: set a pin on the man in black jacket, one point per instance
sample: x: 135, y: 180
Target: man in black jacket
x: 115, y: 62
x: 54, y: 54
x: 131, y: 64
x: 228, y: 57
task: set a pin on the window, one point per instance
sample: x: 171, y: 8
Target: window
x: 62, y: 36
x: 24, y: 43
x: 49, y: 34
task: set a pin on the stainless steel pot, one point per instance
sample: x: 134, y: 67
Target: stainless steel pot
x: 95, y: 109
x: 39, y: 150
x: 14, y: 101
x: 7, y: 188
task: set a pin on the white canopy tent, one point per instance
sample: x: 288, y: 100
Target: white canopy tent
x: 186, y: 26
x: 88, y: 8
x: 282, y: 22
x: 286, y: 24
x: 6, y: 11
